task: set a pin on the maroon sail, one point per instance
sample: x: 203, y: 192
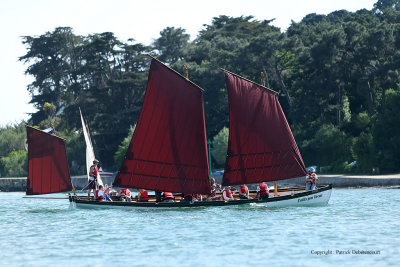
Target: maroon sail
x: 261, y: 146
x: 168, y: 151
x: 48, y: 166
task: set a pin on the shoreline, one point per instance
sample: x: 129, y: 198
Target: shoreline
x: 18, y: 184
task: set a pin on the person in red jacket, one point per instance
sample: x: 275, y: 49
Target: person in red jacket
x: 99, y: 194
x: 311, y: 179
x: 227, y: 194
x: 143, y: 196
x: 213, y: 192
x: 93, y: 177
x: 167, y: 197
x: 243, y: 192
x: 262, y: 191
x: 124, y: 194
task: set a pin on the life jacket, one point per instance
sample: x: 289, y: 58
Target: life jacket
x: 228, y: 193
x: 144, y: 195
x: 263, y: 189
x: 126, y: 192
x: 101, y: 197
x: 314, y: 178
x: 93, y: 171
x: 243, y: 189
x: 310, y: 178
x: 168, y: 195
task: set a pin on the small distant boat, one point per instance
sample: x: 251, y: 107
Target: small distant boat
x: 168, y: 151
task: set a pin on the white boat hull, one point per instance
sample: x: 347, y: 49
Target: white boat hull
x: 316, y: 199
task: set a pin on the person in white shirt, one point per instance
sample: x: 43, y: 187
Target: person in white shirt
x: 311, y: 179
x: 227, y: 194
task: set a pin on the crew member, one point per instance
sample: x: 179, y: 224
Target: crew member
x: 262, y: 191
x: 93, y: 177
x: 227, y: 194
x: 143, y: 196
x: 243, y: 192
x: 124, y: 194
x: 311, y: 179
x: 167, y: 197
x: 99, y: 195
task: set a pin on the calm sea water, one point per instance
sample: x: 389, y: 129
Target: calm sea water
x: 36, y: 232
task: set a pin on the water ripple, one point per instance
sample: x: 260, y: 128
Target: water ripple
x: 41, y: 232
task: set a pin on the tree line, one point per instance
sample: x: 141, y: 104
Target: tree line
x: 337, y: 76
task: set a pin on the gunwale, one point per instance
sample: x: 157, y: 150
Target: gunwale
x: 83, y: 201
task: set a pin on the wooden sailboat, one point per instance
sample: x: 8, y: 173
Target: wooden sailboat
x: 168, y: 151
x: 261, y: 146
x: 48, y: 170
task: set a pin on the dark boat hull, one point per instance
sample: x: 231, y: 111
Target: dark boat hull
x: 319, y: 196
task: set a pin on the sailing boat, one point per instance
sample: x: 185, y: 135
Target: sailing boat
x: 261, y: 146
x: 168, y: 151
x: 48, y: 170
x: 89, y: 150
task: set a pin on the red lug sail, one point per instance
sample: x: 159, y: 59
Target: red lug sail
x: 168, y: 151
x: 48, y: 166
x: 261, y: 145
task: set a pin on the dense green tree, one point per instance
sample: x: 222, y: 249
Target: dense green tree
x: 386, y: 132
x: 220, y: 146
x: 123, y: 147
x: 12, y: 139
x: 15, y: 164
x: 53, y: 66
x: 364, y: 153
x: 329, y: 147
x: 334, y: 76
x: 171, y: 44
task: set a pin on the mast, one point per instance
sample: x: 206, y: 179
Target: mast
x: 275, y: 185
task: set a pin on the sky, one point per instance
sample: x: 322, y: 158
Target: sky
x: 141, y: 20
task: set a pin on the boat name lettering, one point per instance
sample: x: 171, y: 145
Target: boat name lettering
x: 309, y: 198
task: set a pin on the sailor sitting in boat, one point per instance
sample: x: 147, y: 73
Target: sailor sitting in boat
x: 243, y: 192
x: 99, y: 195
x: 311, y: 179
x: 213, y: 192
x: 93, y: 177
x: 143, y: 196
x: 227, y: 194
x: 168, y: 197
x: 124, y: 195
x: 262, y: 191
x: 107, y: 192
